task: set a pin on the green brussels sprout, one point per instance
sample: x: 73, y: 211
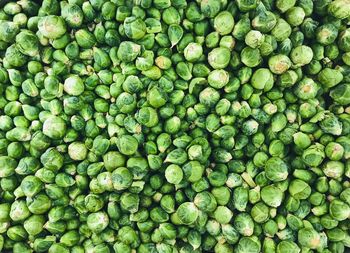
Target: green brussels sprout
x: 54, y: 127
x: 281, y: 30
x: 8, y: 166
x: 287, y: 246
x: 254, y: 39
x: 187, y: 213
x: 175, y: 34
x: 339, y: 9
x: 329, y: 77
x: 193, y: 52
x: 279, y: 64
x: 330, y: 124
x: 127, y: 144
x: 219, y: 57
x: 264, y: 21
x: 251, y: 57
x: 339, y: 210
x: 210, y: 8
x: 85, y: 38
x: 97, y: 222
x: 272, y: 195
x: 174, y: 174
x: 27, y: 43
x: 299, y: 189
x: 333, y: 169
x: 295, y: 16
x: 128, y: 51
x: 224, y: 23
x: 74, y: 85
x: 251, y: 243
x: 9, y: 30
x: 244, y: 224
x: 310, y: 238
x: 52, y: 26
x: 205, y: 201
x: 77, y: 151
x: 343, y: 41
x: 306, y: 89
x: 334, y: 151
x: 245, y: 5
x: 147, y: 116
x: 73, y: 15
x: 340, y: 94
x: 262, y: 79
x: 218, y: 78
x: 223, y: 214
x: 276, y: 169
x: 326, y: 34
x: 301, y: 55
x: 14, y: 56
x: 134, y: 28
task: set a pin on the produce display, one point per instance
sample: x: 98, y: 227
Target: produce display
x: 175, y: 126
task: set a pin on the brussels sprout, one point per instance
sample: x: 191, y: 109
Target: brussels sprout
x: 54, y: 127
x: 187, y: 213
x: 134, y: 28
x: 309, y: 238
x: 301, y: 55
x: 128, y: 51
x: 218, y: 78
x: 254, y: 39
x: 224, y: 23
x: 193, y: 52
x: 73, y: 85
x: 174, y: 174
x: 340, y: 94
x: 272, y: 195
x: 334, y: 151
x: 52, y: 26
x: 262, y: 79
x: 276, y: 169
x: 14, y: 57
x: 223, y: 215
x: 97, y: 222
x: 219, y: 57
x: 299, y: 189
x: 339, y: 210
x: 245, y: 5
x: 287, y: 246
x: 251, y: 243
x: 27, y: 43
x: 251, y: 57
x: 279, y: 64
x: 205, y: 201
x: 339, y: 9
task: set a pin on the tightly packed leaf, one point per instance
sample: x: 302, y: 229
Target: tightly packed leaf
x: 164, y: 126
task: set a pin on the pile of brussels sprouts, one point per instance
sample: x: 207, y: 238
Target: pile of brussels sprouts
x: 165, y: 126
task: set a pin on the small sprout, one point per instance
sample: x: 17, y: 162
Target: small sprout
x: 174, y: 174
x: 52, y: 27
x: 254, y: 39
x: 187, y: 213
x: 77, y: 151
x: 219, y: 57
x: 224, y: 23
x: 54, y: 127
x: 73, y: 85
x: 193, y: 52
